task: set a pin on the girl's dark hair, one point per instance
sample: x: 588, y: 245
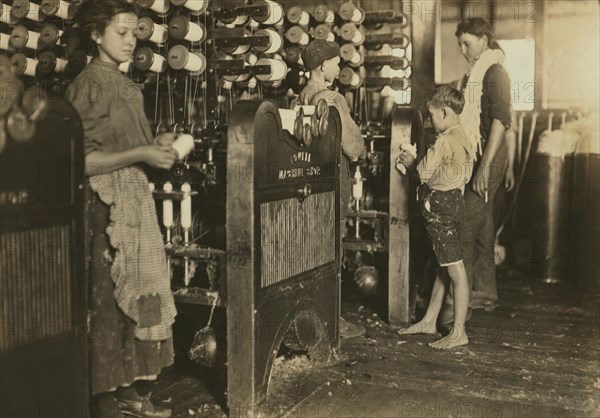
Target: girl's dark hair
x: 93, y: 15
x: 479, y: 27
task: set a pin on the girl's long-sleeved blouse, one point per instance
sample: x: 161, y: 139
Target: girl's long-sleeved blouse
x: 111, y: 108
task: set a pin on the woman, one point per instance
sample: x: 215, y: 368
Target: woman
x: 131, y: 307
x: 485, y: 118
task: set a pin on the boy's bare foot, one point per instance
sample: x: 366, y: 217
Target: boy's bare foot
x: 419, y: 328
x: 456, y: 338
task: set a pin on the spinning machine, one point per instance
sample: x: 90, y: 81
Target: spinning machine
x: 250, y: 212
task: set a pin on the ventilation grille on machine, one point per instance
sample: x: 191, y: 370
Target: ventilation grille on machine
x: 35, y: 286
x: 296, y: 236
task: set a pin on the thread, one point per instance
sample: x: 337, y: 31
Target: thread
x: 186, y: 206
x: 276, y: 41
x: 6, y: 16
x: 159, y: 64
x: 61, y: 65
x: 196, y: 62
x: 330, y: 18
x: 358, y: 38
x: 160, y: 34
x: 241, y: 49
x: 64, y: 10
x: 160, y: 6
x: 358, y: 15
x: 184, y: 144
x: 198, y: 6
x: 30, y: 67
x: 304, y: 39
x: 4, y: 41
x: 167, y: 215
x: 304, y: 19
x: 32, y: 40
x: 278, y: 69
x: 356, y: 58
x: 275, y: 13
x: 35, y: 12
x: 195, y: 33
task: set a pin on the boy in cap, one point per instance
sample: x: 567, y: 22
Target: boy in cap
x: 322, y: 59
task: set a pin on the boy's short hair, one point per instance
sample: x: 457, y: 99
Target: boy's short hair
x: 446, y: 96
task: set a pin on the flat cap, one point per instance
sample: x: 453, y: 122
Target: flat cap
x: 317, y: 52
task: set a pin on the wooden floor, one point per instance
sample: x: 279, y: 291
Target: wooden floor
x: 536, y: 355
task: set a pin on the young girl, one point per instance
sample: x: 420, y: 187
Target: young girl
x: 131, y: 307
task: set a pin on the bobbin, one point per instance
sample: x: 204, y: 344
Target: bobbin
x: 22, y: 65
x: 179, y: 58
x: 181, y: 28
x: 48, y: 62
x: 24, y: 9
x: 161, y: 7
x: 275, y: 41
x: 49, y: 35
x: 278, y: 69
x: 195, y: 7
x: 58, y: 8
x: 20, y: 37
x: 147, y: 30
x: 145, y: 59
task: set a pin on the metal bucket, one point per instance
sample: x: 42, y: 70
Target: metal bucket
x: 551, y: 214
x: 585, y: 220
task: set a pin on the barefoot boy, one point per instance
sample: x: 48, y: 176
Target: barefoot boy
x: 444, y: 171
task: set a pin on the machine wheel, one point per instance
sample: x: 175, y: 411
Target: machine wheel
x: 307, y: 332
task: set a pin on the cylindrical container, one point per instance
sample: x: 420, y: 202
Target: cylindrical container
x: 297, y: 35
x: 6, y: 15
x: 25, y: 9
x: 20, y: 37
x: 58, y: 8
x: 23, y: 65
x: 324, y: 14
x: 48, y: 63
x: 49, y: 35
x: 323, y: 31
x: 297, y: 16
x: 585, y: 221
x: 551, y: 206
x: 159, y: 6
x: 145, y: 59
x: 179, y: 58
x: 274, y: 16
x: 147, y: 30
x: 349, y: 77
x: 181, y: 28
x: 167, y: 204
x: 275, y: 44
x: 186, y: 207
x: 196, y: 7
x: 4, y: 41
x: 278, y: 69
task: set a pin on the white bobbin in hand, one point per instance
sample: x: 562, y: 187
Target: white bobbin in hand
x: 184, y: 144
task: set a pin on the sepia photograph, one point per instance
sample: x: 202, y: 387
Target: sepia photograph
x: 300, y: 208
